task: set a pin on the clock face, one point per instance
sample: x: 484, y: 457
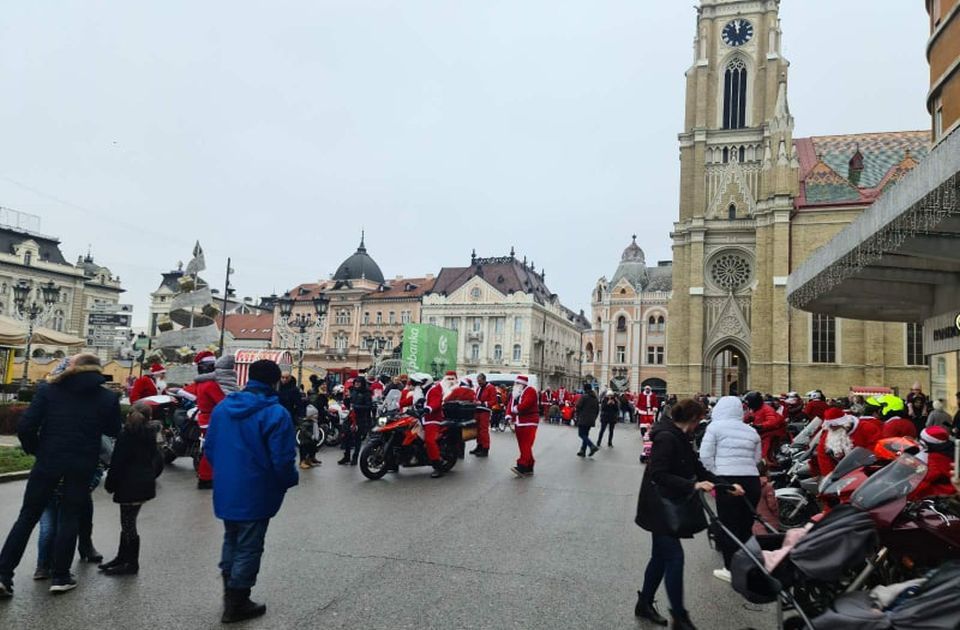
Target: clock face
x: 737, y: 32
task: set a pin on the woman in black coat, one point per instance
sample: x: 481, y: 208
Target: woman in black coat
x: 132, y: 481
x: 676, y: 470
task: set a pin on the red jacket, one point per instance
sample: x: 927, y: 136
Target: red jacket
x: 434, y: 405
x: 815, y: 409
x: 461, y: 394
x: 486, y: 396
x: 647, y: 401
x: 864, y: 435
x: 772, y: 428
x: 937, y: 481
x: 209, y: 394
x: 899, y: 427
x: 406, y: 398
x: 143, y: 387
x: 524, y: 410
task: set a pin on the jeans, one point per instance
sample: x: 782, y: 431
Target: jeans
x: 242, y: 550
x: 585, y: 442
x: 41, y: 487
x: 49, y: 522
x: 735, y: 513
x: 666, y: 564
x: 605, y: 426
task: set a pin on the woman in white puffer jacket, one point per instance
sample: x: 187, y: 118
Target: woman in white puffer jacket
x: 731, y: 450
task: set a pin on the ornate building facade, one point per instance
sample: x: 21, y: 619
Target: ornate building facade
x: 508, y: 321
x: 754, y: 203
x: 626, y: 346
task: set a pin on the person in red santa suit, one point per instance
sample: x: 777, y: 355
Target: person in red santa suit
x: 207, y: 393
x: 841, y: 434
x: 522, y: 409
x: 769, y: 424
x: 938, y: 455
x: 487, y: 397
x: 150, y: 384
x: 647, y: 404
x: 433, y: 419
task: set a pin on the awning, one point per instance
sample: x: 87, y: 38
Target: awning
x: 13, y: 332
x: 245, y: 358
x: 899, y: 261
x: 870, y: 391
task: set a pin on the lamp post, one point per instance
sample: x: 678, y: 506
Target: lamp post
x: 32, y: 310
x: 301, y: 330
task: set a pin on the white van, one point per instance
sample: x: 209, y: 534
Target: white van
x: 501, y: 379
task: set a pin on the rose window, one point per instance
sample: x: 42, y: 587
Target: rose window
x: 730, y: 271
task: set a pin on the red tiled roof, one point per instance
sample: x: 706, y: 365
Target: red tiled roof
x: 258, y: 326
x: 402, y: 288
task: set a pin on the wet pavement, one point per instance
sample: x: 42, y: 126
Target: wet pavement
x: 476, y: 549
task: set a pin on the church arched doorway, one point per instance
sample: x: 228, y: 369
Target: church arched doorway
x: 658, y: 385
x: 727, y: 371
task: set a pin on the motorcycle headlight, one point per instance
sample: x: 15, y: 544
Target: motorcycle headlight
x: 382, y: 421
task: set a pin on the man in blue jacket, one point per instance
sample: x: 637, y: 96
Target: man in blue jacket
x: 252, y: 446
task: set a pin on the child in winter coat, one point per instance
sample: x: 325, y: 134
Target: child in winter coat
x: 131, y: 480
x: 768, y: 509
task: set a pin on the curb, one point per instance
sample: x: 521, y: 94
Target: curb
x: 14, y: 476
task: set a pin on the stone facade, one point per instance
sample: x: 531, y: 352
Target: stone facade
x: 754, y: 203
x: 508, y: 321
x: 625, y: 347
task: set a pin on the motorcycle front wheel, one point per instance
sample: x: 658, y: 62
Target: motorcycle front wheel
x: 373, y: 461
x: 333, y: 437
x: 793, y: 514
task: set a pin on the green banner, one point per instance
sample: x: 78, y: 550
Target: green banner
x: 429, y: 349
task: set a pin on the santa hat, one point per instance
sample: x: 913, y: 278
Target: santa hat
x: 842, y: 421
x: 205, y: 356
x: 156, y: 369
x: 452, y: 373
x: 522, y: 380
x: 833, y: 413
x: 466, y: 382
x: 935, y: 435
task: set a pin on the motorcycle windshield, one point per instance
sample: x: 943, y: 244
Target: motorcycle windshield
x: 391, y: 403
x: 895, y: 481
x: 855, y: 459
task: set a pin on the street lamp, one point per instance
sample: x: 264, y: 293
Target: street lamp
x: 301, y: 330
x: 28, y: 309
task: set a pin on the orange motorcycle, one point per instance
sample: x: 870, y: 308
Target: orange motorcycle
x: 397, y: 440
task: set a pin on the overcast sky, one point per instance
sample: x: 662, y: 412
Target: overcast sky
x: 274, y: 131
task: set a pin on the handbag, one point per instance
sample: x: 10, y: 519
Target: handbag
x: 683, y: 516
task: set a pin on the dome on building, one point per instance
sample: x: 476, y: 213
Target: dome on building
x: 360, y: 266
x: 633, y: 267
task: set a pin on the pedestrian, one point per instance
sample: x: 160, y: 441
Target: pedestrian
x: 676, y: 471
x: 252, y: 447
x: 609, y: 414
x: 131, y: 481
x: 939, y: 417
x: 626, y: 408
x: 361, y: 408
x: 290, y: 396
x: 731, y: 450
x: 487, y: 397
x: 208, y: 393
x: 524, y: 412
x: 62, y: 427
x: 309, y: 438
x: 150, y: 384
x: 588, y: 408
x: 917, y: 407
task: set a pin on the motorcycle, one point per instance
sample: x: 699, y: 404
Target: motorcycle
x: 330, y: 423
x: 397, y: 440
x: 178, y: 435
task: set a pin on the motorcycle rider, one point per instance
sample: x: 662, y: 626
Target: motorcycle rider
x: 208, y: 394
x: 842, y: 433
x: 523, y: 409
x: 414, y: 390
x: 816, y: 407
x: 769, y: 424
x: 938, y: 455
x: 895, y: 422
x: 150, y: 384
x: 792, y: 409
x: 361, y: 406
x: 486, y: 396
x: 433, y: 419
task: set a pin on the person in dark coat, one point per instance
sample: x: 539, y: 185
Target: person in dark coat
x: 609, y: 416
x: 588, y: 408
x: 676, y: 470
x: 132, y: 482
x: 290, y: 397
x: 361, y: 404
x: 62, y: 428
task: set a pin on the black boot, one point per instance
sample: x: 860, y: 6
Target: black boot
x: 89, y: 553
x: 645, y: 610
x: 238, y: 607
x: 343, y: 461
x: 121, y: 554
x: 437, y: 470
x: 131, y: 561
x: 482, y: 452
x: 681, y: 621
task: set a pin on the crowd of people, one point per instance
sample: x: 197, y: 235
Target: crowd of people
x: 76, y: 430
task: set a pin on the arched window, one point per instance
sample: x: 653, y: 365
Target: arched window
x: 589, y: 353
x: 516, y: 353
x: 58, y: 321
x: 652, y: 323
x: 735, y: 95
x: 732, y: 211
x: 726, y: 155
x: 743, y: 154
x: 621, y: 324
x: 661, y: 324
x: 498, y: 353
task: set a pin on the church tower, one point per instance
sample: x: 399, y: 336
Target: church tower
x: 739, y: 178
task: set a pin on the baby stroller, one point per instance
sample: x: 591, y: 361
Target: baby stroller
x: 811, y: 574
x: 647, y: 447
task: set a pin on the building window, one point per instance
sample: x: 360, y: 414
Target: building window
x: 823, y: 338
x: 366, y: 318
x: 941, y: 367
x: 405, y: 317
x: 938, y: 119
x: 476, y: 324
x: 621, y: 354
x: 516, y: 353
x: 389, y: 344
x: 732, y: 211
x: 498, y: 353
x: 621, y: 324
x: 58, y: 321
x: 735, y: 95
x: 432, y: 321
x: 517, y: 325
x: 661, y: 324
x: 499, y: 323
x: 392, y: 318
x: 379, y: 318
x: 660, y: 355
x: 27, y: 258
x: 451, y: 323
x: 915, y: 345
x: 340, y: 343
x: 343, y: 317
x: 589, y: 353
x: 652, y: 324
x: 475, y: 293
x: 475, y: 352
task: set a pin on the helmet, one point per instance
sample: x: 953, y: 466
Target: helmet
x: 338, y: 389
x: 891, y: 404
x: 889, y: 449
x: 754, y: 400
x: 872, y: 401
x: 815, y: 394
